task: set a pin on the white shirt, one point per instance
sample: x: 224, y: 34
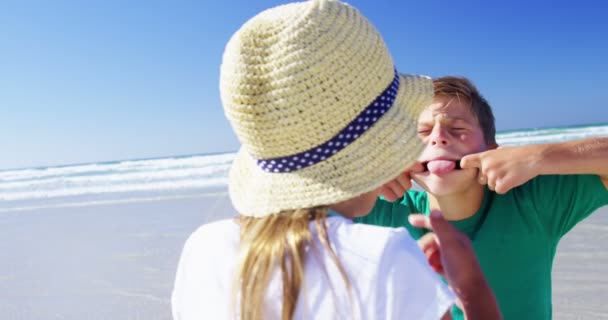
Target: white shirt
x: 389, y: 275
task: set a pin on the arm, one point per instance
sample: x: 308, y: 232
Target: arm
x: 479, y: 302
x: 450, y: 253
x: 505, y: 168
x: 587, y: 156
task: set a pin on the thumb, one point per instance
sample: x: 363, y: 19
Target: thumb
x: 471, y: 161
x: 442, y: 228
x: 416, y: 168
x: 434, y: 222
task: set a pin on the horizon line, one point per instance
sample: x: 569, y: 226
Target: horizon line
x: 74, y: 164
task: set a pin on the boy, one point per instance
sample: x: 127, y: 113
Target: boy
x: 514, y: 203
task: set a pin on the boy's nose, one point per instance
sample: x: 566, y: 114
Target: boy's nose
x: 438, y: 137
x: 439, y: 141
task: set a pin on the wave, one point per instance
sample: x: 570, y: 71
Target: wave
x: 123, y: 188
x: 117, y: 178
x: 107, y: 202
x: 175, y: 176
x: 120, y: 167
x: 113, y: 181
x: 550, y: 135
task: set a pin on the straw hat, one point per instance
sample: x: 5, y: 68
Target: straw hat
x: 322, y: 114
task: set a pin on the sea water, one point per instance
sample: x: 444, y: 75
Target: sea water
x: 174, y: 177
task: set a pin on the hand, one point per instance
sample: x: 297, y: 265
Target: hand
x: 504, y: 168
x: 450, y: 253
x: 395, y: 188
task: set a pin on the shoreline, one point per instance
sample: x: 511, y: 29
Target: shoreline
x: 118, y: 260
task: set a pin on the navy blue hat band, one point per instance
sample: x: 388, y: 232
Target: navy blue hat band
x: 350, y: 133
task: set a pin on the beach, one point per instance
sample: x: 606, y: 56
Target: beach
x: 118, y: 260
x: 114, y: 261
x: 580, y: 278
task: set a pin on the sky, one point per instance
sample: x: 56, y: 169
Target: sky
x: 93, y: 81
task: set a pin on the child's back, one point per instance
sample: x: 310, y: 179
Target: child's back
x: 387, y: 271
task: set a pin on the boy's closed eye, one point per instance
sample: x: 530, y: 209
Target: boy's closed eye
x: 424, y: 131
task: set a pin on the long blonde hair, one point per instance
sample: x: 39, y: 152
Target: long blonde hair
x: 278, y: 240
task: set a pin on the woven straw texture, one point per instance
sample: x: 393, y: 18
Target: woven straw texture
x: 291, y: 78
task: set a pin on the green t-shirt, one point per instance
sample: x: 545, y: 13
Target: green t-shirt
x: 514, y: 235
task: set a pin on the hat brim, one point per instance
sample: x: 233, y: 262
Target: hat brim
x: 383, y: 152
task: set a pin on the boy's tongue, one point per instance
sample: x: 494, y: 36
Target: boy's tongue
x: 441, y: 166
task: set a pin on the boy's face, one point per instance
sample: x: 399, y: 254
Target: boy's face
x: 450, y: 131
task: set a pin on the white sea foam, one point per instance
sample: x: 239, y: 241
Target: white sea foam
x: 536, y: 136
x: 71, y: 204
x: 116, y: 188
x: 113, y: 181
x: 174, y: 176
x: 120, y: 167
x: 113, y: 178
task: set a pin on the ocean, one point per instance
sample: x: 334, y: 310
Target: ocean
x: 102, y: 240
x: 174, y: 177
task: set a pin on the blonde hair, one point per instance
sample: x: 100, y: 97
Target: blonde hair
x: 277, y: 240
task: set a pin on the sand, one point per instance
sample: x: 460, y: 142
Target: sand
x: 117, y: 261
x: 97, y: 262
x: 580, y: 271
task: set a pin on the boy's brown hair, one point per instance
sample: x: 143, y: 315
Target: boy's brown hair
x: 463, y: 88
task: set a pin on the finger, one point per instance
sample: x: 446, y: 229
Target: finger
x: 417, y: 167
x: 491, y: 182
x: 387, y: 193
x: 434, y: 260
x: 503, y: 185
x: 396, y: 188
x: 500, y: 188
x: 443, y: 229
x: 419, y: 221
x: 481, y: 178
x: 430, y: 247
x: 404, y: 181
x: 471, y: 161
x: 428, y: 242
x: 507, y: 183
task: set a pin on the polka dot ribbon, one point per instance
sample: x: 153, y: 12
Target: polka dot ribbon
x: 350, y: 133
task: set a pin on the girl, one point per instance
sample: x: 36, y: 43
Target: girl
x: 327, y: 125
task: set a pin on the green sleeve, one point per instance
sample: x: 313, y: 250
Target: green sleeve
x: 562, y: 201
x: 394, y: 214
x: 387, y: 214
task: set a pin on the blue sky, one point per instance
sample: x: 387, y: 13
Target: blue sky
x: 88, y: 81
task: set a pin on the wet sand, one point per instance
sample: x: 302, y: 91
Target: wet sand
x: 97, y: 262
x: 580, y: 271
x: 117, y: 261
